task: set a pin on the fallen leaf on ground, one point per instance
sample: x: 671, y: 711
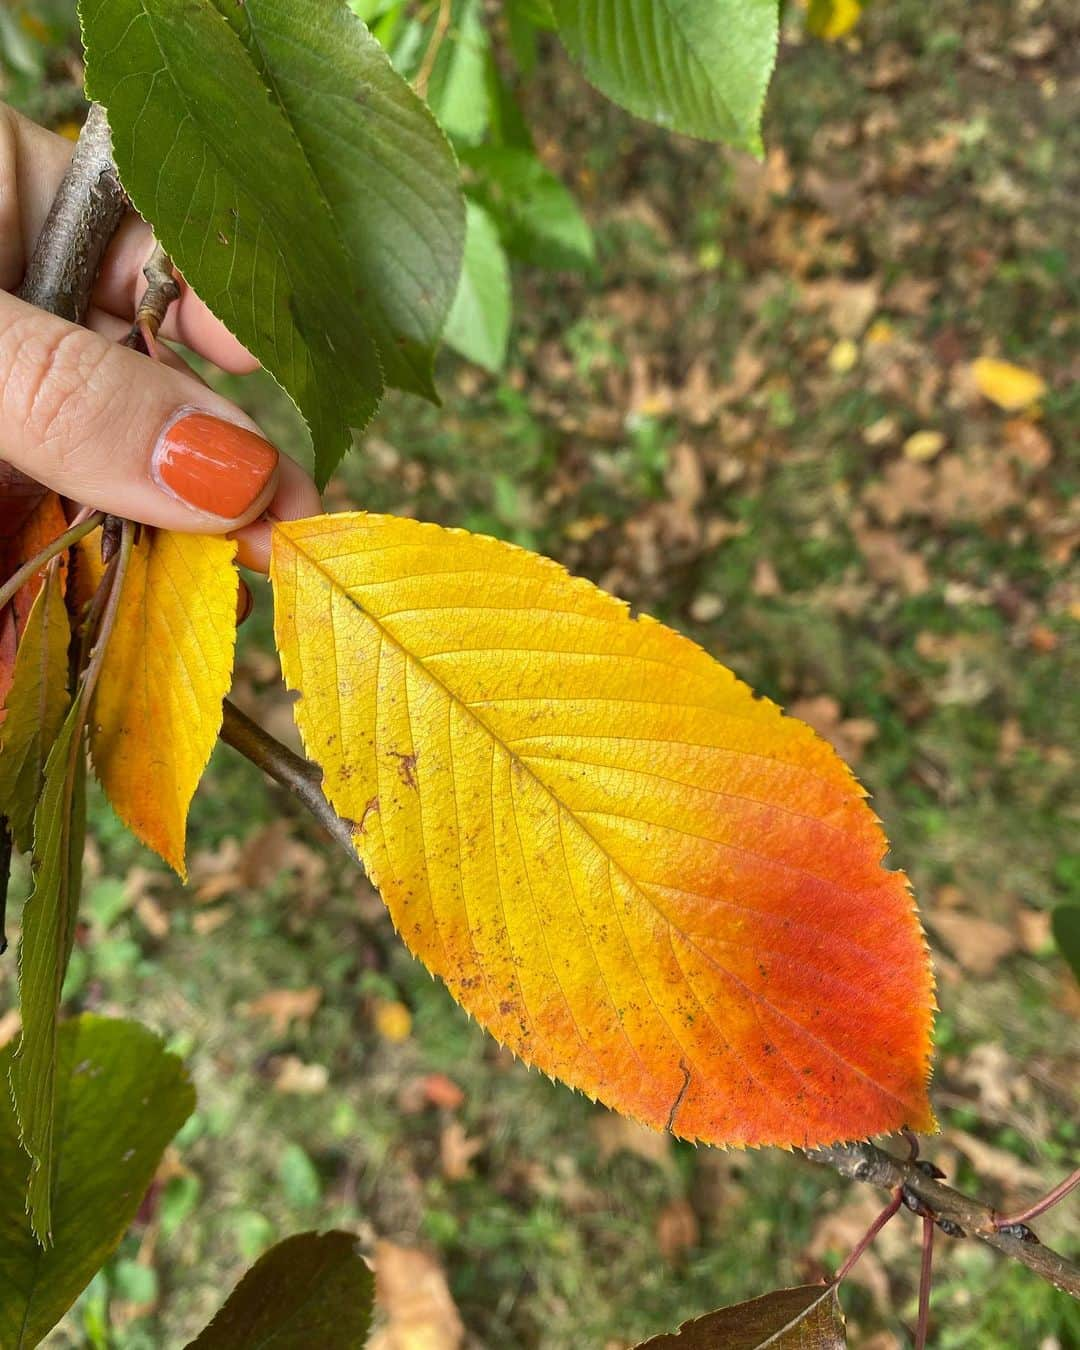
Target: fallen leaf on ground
x: 295, y: 1078
x: 978, y: 944
x: 283, y: 1006
x: 456, y: 1151
x: 850, y: 735
x: 618, y: 1134
x: 414, y: 1299
x: 393, y: 1021
x: 1010, y: 387
x: 677, y: 1229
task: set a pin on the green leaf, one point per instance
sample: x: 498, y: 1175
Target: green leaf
x: 1066, y: 926
x: 35, y: 707
x: 385, y: 169
x: 479, y: 323
x: 120, y: 1099
x: 310, y: 1290
x: 457, y: 90
x: 697, y: 66
x: 299, y: 1178
x: 807, y: 1318
x: 208, y: 154
x: 48, y: 931
x: 537, y: 217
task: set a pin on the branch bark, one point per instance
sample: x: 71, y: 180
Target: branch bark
x: 88, y: 207
x: 867, y: 1163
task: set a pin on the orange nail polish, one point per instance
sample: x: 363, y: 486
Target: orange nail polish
x: 213, y: 465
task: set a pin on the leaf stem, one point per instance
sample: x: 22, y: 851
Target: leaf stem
x: 59, y: 545
x: 1040, y: 1206
x: 108, y: 619
x: 295, y: 774
x: 924, y: 1283
x: 871, y: 1233
x: 5, y: 879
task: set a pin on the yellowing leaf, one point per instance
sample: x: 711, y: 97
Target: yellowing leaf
x: 1010, y: 387
x: 35, y: 706
x: 641, y: 878
x: 167, y: 668
x: 833, y: 19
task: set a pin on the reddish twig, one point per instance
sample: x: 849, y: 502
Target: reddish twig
x: 924, y: 1282
x: 1041, y: 1206
x: 890, y: 1210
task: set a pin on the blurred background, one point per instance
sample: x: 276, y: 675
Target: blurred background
x: 755, y: 415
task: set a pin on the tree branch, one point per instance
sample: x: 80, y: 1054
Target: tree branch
x: 88, y: 207
x: 296, y: 775
x: 867, y: 1163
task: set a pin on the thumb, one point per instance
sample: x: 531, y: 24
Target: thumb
x: 107, y: 427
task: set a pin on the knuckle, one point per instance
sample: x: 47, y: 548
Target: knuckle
x: 48, y: 374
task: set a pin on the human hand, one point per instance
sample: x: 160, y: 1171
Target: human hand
x: 102, y: 425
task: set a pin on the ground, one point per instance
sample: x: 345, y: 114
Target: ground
x: 757, y: 419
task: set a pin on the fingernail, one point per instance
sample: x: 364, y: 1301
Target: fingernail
x: 245, y: 602
x: 213, y: 465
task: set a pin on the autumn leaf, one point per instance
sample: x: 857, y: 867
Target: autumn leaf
x: 31, y: 517
x: 807, y: 1318
x: 312, y: 1289
x: 639, y: 877
x: 48, y: 932
x: 833, y: 19
x: 35, y: 706
x: 167, y: 668
x: 1010, y: 387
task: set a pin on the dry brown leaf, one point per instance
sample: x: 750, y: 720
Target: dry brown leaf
x: 889, y: 563
x: 850, y: 735
x: 411, y: 1293
x: 995, y: 1164
x: 456, y: 1151
x: 978, y: 944
x: 283, y: 1006
x: 617, y: 1134
x: 903, y: 491
x: 975, y: 486
x: 295, y: 1078
x: 677, y: 1230
x: 849, y: 305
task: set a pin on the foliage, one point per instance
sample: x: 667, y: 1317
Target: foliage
x: 528, y: 212
x: 120, y: 1098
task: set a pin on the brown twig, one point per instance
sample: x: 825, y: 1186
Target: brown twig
x: 295, y: 774
x: 162, y: 289
x: 87, y: 208
x: 954, y: 1212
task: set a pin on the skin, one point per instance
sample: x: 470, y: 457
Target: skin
x: 82, y: 414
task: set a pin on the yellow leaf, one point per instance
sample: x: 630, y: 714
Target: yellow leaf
x: 393, y: 1021
x: 1010, y: 387
x: 636, y: 874
x: 167, y: 668
x: 35, y: 707
x: 833, y: 19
